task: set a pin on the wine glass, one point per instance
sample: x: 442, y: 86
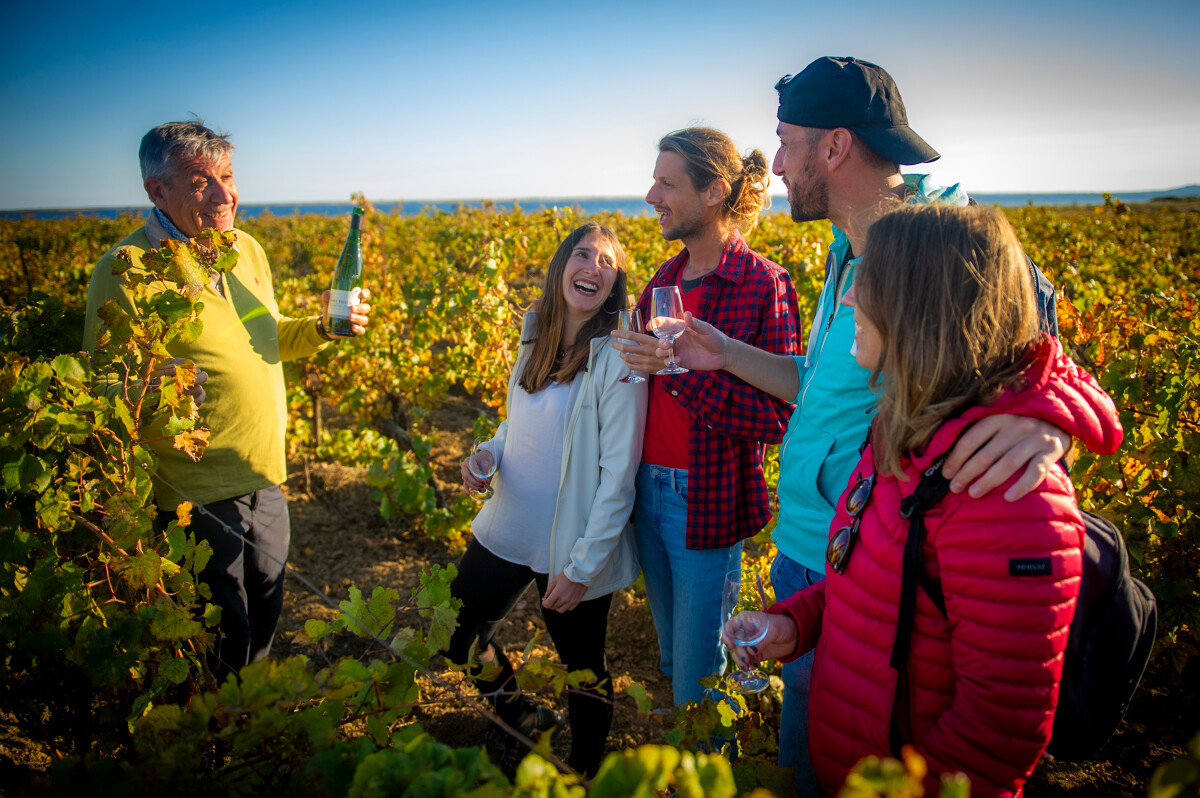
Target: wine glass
x: 630, y: 320
x: 742, y: 604
x: 666, y: 321
x: 482, y: 464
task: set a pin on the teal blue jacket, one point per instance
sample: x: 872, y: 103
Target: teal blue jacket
x: 834, y: 406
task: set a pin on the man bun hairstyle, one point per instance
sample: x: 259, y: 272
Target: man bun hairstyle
x: 710, y: 155
x: 172, y: 142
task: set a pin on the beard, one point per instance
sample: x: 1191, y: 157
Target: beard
x: 811, y: 205
x: 685, y: 228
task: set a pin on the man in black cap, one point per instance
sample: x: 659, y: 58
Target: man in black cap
x: 843, y: 134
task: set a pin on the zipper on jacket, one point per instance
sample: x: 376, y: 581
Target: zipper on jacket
x: 843, y: 270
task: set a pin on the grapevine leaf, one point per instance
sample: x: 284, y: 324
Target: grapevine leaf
x: 640, y: 697
x: 193, y: 443
x: 315, y: 629
x: 174, y: 670
x: 142, y: 571
x: 176, y: 541
x: 69, y: 371
x: 403, y: 638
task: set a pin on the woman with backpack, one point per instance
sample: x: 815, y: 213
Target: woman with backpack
x: 945, y: 319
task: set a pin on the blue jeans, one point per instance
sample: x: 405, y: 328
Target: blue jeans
x: 788, y: 577
x: 683, y: 586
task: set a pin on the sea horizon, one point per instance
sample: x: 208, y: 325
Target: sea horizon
x: 629, y: 206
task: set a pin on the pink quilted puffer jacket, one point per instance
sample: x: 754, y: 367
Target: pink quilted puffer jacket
x: 982, y: 682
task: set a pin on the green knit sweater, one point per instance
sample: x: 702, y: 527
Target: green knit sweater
x: 244, y: 342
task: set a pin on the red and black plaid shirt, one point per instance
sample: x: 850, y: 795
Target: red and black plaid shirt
x: 749, y: 298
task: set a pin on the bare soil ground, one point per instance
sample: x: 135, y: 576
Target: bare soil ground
x: 339, y: 539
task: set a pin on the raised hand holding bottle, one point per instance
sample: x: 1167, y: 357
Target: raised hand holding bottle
x: 346, y: 288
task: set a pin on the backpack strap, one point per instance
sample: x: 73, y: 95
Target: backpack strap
x: 929, y: 491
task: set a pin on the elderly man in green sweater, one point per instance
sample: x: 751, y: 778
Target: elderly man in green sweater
x: 239, y: 507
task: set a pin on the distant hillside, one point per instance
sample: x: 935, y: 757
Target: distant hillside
x: 1082, y: 198
x: 1190, y: 192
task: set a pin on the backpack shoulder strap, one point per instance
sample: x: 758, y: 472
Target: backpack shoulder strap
x: 929, y: 491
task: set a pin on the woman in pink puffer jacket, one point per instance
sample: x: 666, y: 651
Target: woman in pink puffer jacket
x: 945, y: 318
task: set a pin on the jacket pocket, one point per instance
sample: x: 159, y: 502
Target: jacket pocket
x: 804, y: 453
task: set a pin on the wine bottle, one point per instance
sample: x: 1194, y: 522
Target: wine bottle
x: 346, y: 286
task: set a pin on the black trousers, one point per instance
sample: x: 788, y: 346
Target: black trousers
x: 488, y: 588
x: 246, y: 580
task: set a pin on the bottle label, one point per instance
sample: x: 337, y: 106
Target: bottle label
x: 340, y: 302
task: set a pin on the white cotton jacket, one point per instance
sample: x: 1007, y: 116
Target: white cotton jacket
x: 591, y: 539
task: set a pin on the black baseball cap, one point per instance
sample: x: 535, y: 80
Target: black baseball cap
x: 859, y: 96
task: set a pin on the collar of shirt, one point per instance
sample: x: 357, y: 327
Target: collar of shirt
x: 159, y: 228
x: 169, y: 227
x: 732, y: 266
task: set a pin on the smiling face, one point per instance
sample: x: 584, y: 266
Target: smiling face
x: 795, y: 162
x: 588, y: 277
x: 682, y: 210
x: 868, y: 344
x: 199, y: 194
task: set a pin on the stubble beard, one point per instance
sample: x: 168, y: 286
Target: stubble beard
x: 813, y: 204
x: 682, y: 229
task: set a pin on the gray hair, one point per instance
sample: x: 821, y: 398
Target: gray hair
x: 174, y: 141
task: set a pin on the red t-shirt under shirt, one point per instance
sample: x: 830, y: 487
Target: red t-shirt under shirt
x: 667, y: 422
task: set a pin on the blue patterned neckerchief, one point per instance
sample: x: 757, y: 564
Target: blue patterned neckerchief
x: 170, y: 229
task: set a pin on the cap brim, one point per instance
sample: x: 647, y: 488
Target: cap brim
x: 898, y: 144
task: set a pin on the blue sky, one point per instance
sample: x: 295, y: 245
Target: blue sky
x: 450, y: 99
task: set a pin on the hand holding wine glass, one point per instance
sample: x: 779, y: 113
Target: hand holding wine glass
x: 631, y: 321
x: 666, y: 321
x: 481, y: 466
x: 745, y: 625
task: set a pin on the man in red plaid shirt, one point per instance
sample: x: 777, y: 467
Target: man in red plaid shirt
x: 701, y: 489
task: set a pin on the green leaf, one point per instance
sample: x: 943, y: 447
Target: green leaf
x: 368, y: 618
x: 176, y: 542
x: 640, y: 697
x: 173, y: 670
x: 403, y: 638
x: 174, y: 623
x: 141, y: 706
x: 68, y: 369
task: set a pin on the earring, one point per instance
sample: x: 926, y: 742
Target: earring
x: 610, y: 311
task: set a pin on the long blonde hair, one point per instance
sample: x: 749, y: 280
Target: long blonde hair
x: 543, y: 364
x: 950, y: 292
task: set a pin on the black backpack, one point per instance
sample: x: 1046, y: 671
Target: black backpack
x: 1110, y: 636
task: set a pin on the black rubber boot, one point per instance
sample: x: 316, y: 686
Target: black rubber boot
x: 591, y: 713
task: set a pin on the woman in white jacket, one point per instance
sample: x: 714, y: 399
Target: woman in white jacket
x: 567, y: 456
